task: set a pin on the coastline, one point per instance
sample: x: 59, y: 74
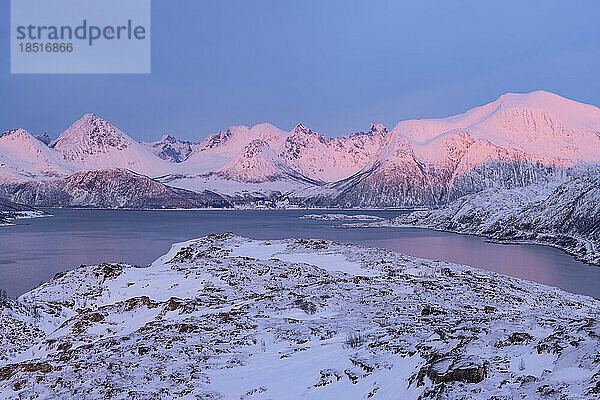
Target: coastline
x: 490, y: 239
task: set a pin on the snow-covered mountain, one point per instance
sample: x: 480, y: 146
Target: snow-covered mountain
x: 220, y: 148
x: 23, y: 157
x: 171, y: 149
x: 513, y: 141
x: 93, y: 143
x: 225, y: 317
x: 257, y: 163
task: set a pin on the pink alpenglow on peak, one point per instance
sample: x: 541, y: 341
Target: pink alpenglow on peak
x: 93, y: 143
x: 516, y: 139
x: 23, y: 157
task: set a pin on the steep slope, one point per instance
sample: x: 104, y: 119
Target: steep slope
x: 258, y: 163
x: 329, y: 160
x: 93, y: 143
x: 301, y: 154
x: 23, y: 157
x: 218, y: 149
x: 564, y: 215
x: 171, y: 149
x: 225, y: 317
x: 554, y: 128
x: 113, y: 188
x: 514, y: 141
x: 44, y: 139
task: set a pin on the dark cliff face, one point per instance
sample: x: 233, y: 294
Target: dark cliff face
x: 115, y: 188
x: 412, y: 184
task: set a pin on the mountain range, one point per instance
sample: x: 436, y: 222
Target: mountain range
x: 513, y: 141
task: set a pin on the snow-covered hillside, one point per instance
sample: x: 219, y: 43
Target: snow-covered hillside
x: 10, y: 211
x: 224, y: 317
x: 565, y: 215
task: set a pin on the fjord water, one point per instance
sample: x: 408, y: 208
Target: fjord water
x: 35, y: 250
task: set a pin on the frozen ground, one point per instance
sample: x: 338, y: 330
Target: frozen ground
x: 225, y: 317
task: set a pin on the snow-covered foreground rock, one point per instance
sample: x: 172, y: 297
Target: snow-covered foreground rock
x: 225, y: 317
x: 564, y: 215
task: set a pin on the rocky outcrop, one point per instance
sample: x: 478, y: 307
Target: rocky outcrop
x: 449, y: 369
x: 171, y: 149
x: 225, y: 317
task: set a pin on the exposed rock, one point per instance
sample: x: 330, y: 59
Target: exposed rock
x: 115, y: 188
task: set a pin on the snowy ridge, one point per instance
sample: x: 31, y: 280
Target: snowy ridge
x: 256, y: 163
x: 22, y: 156
x: 514, y: 141
x: 341, y: 217
x: 111, y: 188
x: 228, y: 317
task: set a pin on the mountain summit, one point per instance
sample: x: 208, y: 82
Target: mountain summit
x: 93, y: 143
x: 513, y: 141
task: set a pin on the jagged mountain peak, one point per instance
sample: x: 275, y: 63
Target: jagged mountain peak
x: 167, y: 138
x: 44, y: 138
x: 92, y: 142
x: 171, y: 149
x: 94, y: 134
x: 377, y: 128
x: 300, y: 128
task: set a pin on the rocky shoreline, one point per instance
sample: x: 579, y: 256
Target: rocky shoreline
x: 563, y: 215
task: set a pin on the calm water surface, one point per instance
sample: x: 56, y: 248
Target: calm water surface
x: 34, y: 251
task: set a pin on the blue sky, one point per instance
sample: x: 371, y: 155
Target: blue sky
x: 334, y: 65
